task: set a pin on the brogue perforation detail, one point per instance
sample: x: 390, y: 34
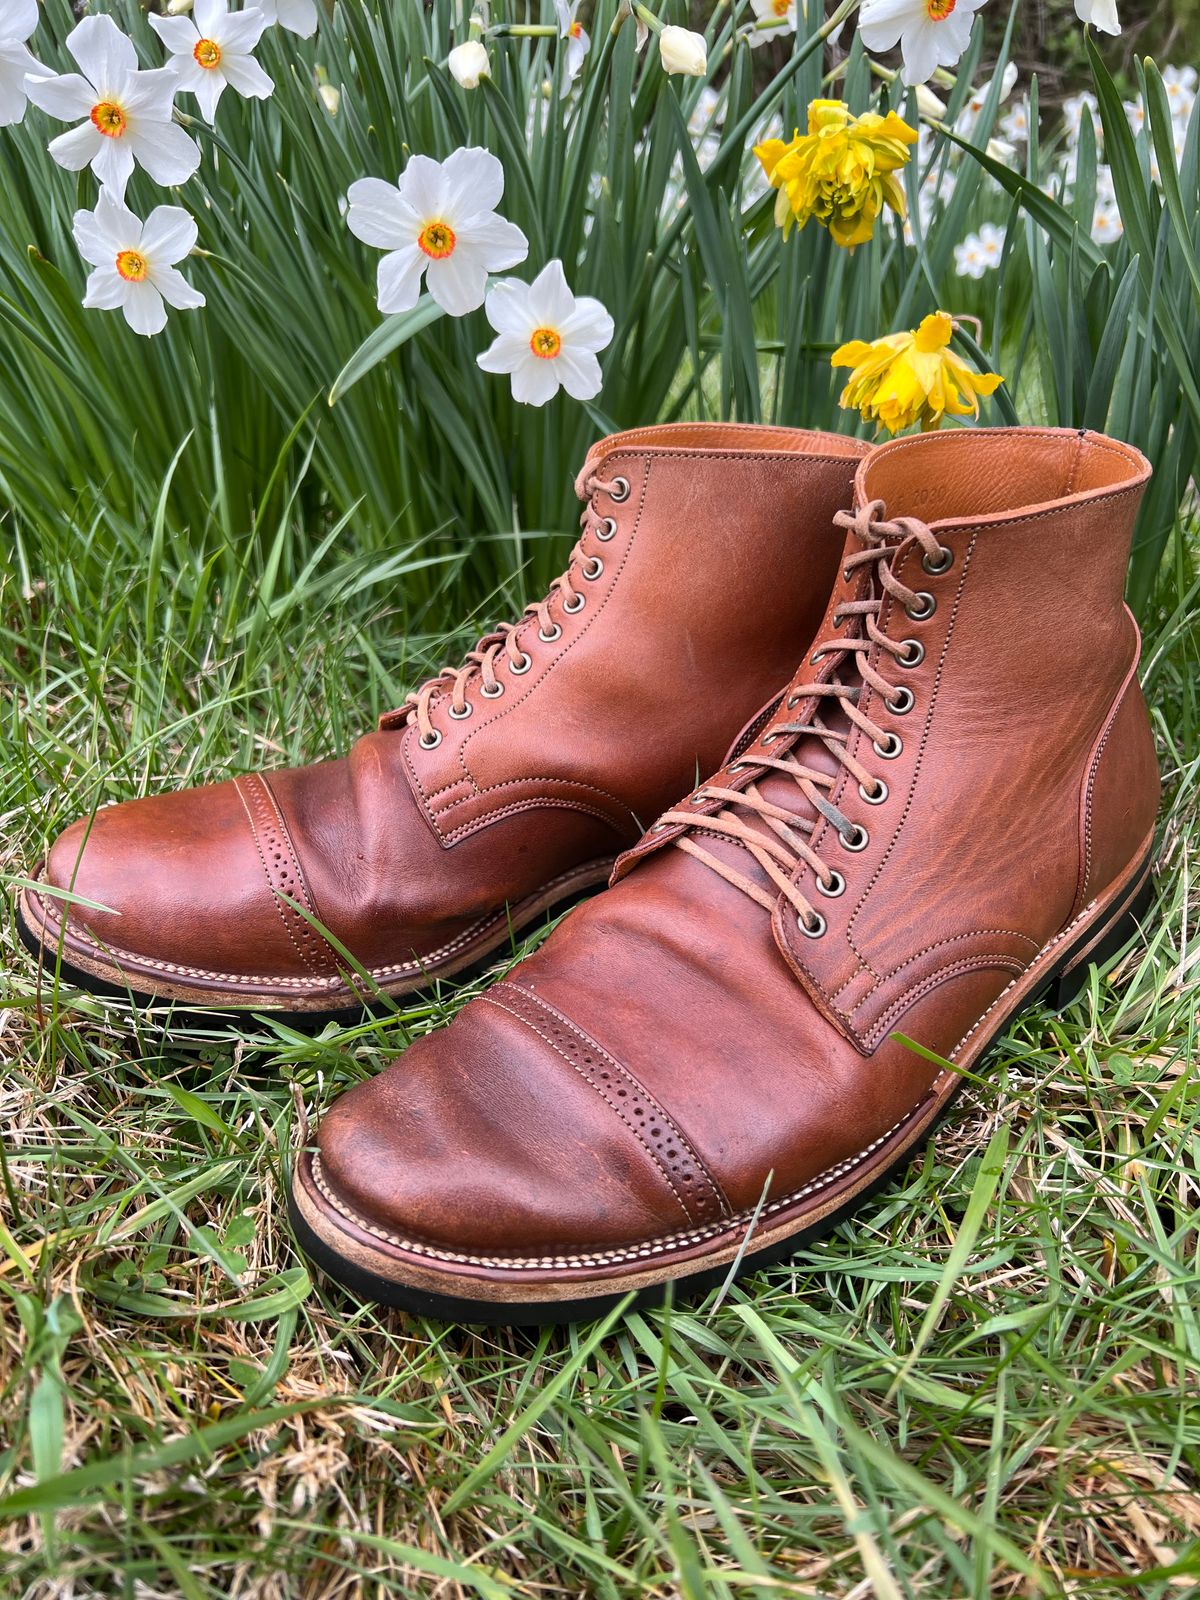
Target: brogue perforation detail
x: 284, y: 874
x: 664, y: 1142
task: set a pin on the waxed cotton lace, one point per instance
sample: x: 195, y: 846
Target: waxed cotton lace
x: 777, y: 837
x: 502, y: 641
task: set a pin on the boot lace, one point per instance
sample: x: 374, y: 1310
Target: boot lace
x: 778, y: 836
x: 501, y: 642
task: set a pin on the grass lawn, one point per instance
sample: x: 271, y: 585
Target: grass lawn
x: 987, y: 1384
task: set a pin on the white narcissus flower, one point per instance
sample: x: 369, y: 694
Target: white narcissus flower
x: 776, y: 17
x: 211, y: 50
x: 440, y: 220
x: 468, y: 63
x: 1101, y: 14
x: 578, y: 43
x: 979, y: 252
x: 297, y: 16
x: 18, y: 20
x: 134, y: 262
x: 546, y: 338
x: 931, y: 33
x: 683, y: 52
x: 1107, y: 226
x: 126, y: 113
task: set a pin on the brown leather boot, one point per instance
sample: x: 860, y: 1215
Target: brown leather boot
x: 500, y: 788
x: 948, y: 817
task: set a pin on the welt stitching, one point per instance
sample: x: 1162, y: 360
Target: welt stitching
x: 336, y: 981
x: 491, y: 1000
x: 536, y: 804
x: 642, y: 1252
x: 1131, y: 682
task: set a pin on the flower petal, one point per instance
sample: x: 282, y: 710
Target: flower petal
x: 505, y: 352
x: 589, y: 327
x: 472, y: 182
x: 179, y: 34
x: 377, y: 216
x: 209, y: 15
x: 105, y: 290
x: 423, y: 185
x: 168, y: 234
x: 398, y: 281
x: 549, y: 298
x: 580, y: 373
x: 175, y: 289
x: 113, y: 162
x: 68, y: 97
x: 494, y: 243
x: 105, y: 55
x: 167, y: 153
x: 457, y: 283
x: 208, y: 86
x: 242, y: 30
x: 246, y: 76
x: 18, y: 19
x: 150, y: 95
x: 534, y: 380
x: 144, y: 309
x: 508, y: 309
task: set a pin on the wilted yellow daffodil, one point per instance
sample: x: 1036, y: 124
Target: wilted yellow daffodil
x: 912, y: 377
x: 842, y: 171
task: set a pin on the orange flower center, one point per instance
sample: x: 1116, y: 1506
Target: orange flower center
x: 545, y: 343
x: 780, y: 7
x: 576, y: 30
x: 939, y: 10
x: 108, y: 119
x: 133, y: 266
x: 207, y: 54
x: 437, y: 240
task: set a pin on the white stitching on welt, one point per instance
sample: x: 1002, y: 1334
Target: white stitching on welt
x: 601, y: 1258
x: 336, y: 982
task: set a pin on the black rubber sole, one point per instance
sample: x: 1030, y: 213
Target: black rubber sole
x: 1063, y: 984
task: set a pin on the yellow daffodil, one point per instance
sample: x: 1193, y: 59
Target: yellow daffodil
x: 842, y: 171
x: 912, y: 377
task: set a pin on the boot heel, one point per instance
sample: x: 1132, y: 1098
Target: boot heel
x: 1070, y: 982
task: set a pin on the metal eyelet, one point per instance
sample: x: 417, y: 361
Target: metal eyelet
x: 903, y: 702
x: 434, y: 739
x: 856, y: 839
x: 836, y: 886
x: 574, y: 610
x: 877, y: 795
x: 607, y: 529
x: 660, y: 827
x: 926, y: 608
x: 518, y: 669
x: 592, y: 568
x: 619, y: 491
x: 493, y: 693
x: 812, y: 930
x: 837, y: 619
x: 461, y: 716
x: 889, y: 747
x: 847, y: 574
x: 549, y: 638
x: 770, y: 738
x: 943, y: 563
x: 814, y: 660
x: 912, y: 653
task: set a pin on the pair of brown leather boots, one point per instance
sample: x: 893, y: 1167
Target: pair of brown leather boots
x: 941, y: 814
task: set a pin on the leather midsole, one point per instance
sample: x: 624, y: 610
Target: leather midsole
x: 318, y: 996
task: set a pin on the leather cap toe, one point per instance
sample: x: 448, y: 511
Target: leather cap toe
x: 483, y: 1139
x: 181, y: 881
